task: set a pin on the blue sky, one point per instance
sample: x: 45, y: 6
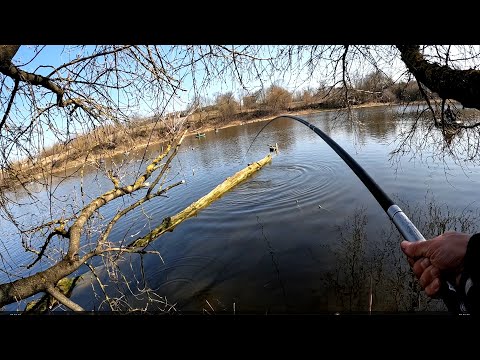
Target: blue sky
x: 294, y: 80
x: 56, y: 55
x: 53, y: 55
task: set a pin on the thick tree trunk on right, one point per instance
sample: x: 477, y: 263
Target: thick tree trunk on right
x: 448, y: 83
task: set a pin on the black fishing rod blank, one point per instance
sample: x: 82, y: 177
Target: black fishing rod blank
x: 396, y: 215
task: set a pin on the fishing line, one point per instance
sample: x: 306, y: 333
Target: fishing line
x: 255, y: 138
x: 406, y: 228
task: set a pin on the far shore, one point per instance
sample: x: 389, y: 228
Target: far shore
x: 74, y: 164
x: 295, y: 113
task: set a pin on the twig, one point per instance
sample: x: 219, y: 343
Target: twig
x: 107, y: 298
x: 210, y: 305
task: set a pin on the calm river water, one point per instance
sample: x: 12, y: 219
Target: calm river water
x: 303, y: 235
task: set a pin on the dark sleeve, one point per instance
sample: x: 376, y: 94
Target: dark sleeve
x: 470, y: 279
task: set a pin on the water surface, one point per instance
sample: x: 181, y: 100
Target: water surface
x: 303, y: 235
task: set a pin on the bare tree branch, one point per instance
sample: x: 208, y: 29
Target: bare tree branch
x: 7, y: 52
x: 10, y: 70
x: 63, y: 299
x: 58, y: 231
x: 12, y: 97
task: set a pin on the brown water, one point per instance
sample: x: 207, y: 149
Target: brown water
x: 303, y: 235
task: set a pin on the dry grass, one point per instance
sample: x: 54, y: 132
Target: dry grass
x: 100, y: 143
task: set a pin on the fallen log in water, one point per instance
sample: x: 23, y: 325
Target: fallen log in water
x: 169, y: 223
x: 66, y: 285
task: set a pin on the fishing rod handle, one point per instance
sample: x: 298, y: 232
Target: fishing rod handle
x: 403, y: 224
x: 448, y: 293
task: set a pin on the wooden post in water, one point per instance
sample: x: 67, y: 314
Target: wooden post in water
x: 274, y: 148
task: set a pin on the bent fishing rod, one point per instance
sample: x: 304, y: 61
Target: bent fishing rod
x: 396, y: 215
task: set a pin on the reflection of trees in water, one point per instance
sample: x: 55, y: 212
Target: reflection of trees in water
x: 366, y: 268
x: 419, y: 138
x: 348, y: 278
x: 232, y: 143
x: 378, y: 123
x: 287, y: 133
x: 364, y: 124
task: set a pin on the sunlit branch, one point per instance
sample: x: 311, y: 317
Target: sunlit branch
x: 63, y: 299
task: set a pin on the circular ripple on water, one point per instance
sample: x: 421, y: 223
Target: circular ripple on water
x: 281, y: 188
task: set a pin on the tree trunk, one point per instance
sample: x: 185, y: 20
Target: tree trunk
x: 448, y: 83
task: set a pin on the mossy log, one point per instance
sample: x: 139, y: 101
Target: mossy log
x: 169, y: 223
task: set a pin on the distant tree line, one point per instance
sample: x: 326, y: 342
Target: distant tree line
x: 376, y: 87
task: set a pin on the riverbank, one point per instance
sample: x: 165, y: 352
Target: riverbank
x: 61, y: 164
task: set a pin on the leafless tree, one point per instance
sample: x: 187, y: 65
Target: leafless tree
x: 252, y: 101
x: 444, y: 75
x: 226, y: 105
x: 90, y: 90
x: 97, y: 89
x: 277, y: 98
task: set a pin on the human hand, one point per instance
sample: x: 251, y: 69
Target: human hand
x: 429, y: 259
